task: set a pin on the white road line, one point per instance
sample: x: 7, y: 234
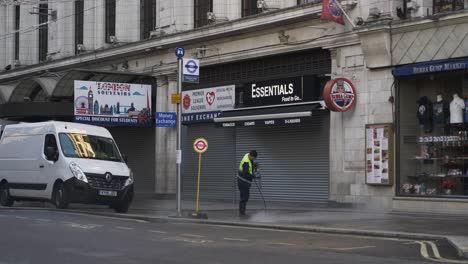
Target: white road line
x: 353, y: 248
x: 189, y: 235
x: 283, y: 244
x: 157, y: 231
x: 425, y: 254
x: 235, y: 239
x: 125, y: 228
x: 43, y: 220
x: 22, y: 217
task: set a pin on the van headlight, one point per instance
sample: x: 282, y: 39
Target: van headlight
x: 130, y: 179
x: 78, y: 172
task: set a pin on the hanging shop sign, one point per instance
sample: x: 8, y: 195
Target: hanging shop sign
x: 109, y: 103
x: 273, y: 92
x: 339, y: 95
x: 379, y: 154
x: 204, y: 105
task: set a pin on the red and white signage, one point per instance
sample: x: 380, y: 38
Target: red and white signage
x: 200, y: 145
x: 220, y: 98
x: 339, y: 95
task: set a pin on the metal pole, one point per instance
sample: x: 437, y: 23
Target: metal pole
x: 179, y: 151
x: 198, y: 183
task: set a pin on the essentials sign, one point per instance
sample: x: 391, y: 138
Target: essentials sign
x: 281, y: 91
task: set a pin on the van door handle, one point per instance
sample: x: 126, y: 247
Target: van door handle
x: 41, y: 166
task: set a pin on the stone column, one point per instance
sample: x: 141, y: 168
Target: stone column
x: 166, y: 138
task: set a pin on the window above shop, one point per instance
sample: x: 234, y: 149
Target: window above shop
x: 444, y: 6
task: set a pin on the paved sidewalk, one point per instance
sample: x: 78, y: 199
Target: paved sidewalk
x: 319, y: 218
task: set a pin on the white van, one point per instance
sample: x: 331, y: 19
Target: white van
x: 64, y: 163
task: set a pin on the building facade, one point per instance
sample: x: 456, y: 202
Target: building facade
x: 397, y: 53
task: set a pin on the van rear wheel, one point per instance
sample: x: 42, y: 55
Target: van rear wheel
x: 61, y: 196
x: 5, y: 198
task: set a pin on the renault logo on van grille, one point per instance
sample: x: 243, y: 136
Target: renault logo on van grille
x: 108, y: 177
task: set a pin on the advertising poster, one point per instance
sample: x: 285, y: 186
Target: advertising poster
x: 203, y: 105
x: 379, y: 161
x: 108, y: 103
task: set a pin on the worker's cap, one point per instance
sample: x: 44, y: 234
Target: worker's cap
x: 253, y: 153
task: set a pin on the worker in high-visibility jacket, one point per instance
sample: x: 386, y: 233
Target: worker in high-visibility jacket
x: 244, y: 179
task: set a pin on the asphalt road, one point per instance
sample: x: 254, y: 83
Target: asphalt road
x: 58, y: 237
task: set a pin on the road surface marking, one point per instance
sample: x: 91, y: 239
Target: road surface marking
x: 352, y: 248
x: 157, y: 231
x: 188, y: 240
x: 425, y: 253
x: 283, y: 244
x: 235, y: 239
x: 43, y: 220
x: 189, y: 235
x: 21, y: 217
x: 75, y: 225
x: 125, y: 228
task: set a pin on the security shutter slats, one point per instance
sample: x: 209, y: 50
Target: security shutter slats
x: 294, y: 161
x: 218, y: 163
x: 138, y: 143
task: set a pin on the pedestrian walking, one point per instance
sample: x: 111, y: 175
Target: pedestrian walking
x: 245, y: 176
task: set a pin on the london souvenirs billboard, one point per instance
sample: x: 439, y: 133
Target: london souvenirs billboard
x: 203, y: 105
x: 109, y: 103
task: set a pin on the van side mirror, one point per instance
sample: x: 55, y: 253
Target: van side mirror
x: 125, y: 158
x: 51, y: 154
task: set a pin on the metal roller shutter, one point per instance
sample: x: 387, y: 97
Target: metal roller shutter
x: 294, y: 161
x: 138, y: 143
x: 218, y: 164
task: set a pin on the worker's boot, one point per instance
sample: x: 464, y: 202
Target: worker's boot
x: 242, y: 206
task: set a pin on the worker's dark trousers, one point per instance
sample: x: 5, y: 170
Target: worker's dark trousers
x: 244, y: 189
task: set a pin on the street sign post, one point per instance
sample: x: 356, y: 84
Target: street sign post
x: 175, y: 98
x: 191, y: 70
x: 200, y: 145
x: 179, y: 52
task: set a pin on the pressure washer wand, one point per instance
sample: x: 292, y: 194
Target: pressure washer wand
x: 258, y: 176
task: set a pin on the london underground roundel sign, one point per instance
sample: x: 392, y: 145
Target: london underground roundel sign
x: 200, y: 145
x: 339, y: 95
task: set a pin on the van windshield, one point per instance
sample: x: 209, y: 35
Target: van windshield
x: 89, y: 147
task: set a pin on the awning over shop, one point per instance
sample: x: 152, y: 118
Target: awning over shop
x: 269, y: 116
x: 36, y: 110
x: 431, y: 67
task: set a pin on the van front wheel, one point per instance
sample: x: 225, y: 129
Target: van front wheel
x: 60, y: 196
x: 121, y: 207
x: 5, y: 198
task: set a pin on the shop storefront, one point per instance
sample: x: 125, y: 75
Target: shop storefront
x: 432, y: 137
x: 35, y: 100
x: 281, y: 116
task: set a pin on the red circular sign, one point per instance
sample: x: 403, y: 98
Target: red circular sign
x: 200, y: 145
x: 339, y: 95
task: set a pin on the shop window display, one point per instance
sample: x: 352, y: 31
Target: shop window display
x: 433, y: 135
